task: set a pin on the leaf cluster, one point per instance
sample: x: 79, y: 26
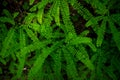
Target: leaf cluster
x: 44, y: 45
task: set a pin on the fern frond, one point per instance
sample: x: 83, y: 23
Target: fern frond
x: 7, y: 20
x: 116, y: 18
x: 115, y: 62
x: 84, y: 33
x: 21, y: 59
x: 34, y: 26
x: 80, y: 40
x: 31, y: 35
x: 34, y: 8
x: 83, y: 56
x: 110, y: 72
x: 70, y: 67
x: 6, y: 42
x: 94, y: 21
x: 100, y: 33
x: 46, y: 29
x: 15, y: 14
x: 40, y: 15
x: 28, y: 19
x: 115, y: 33
x: 40, y: 60
x: 2, y: 61
x: 82, y: 11
x: 7, y: 13
x: 99, y: 6
x: 72, y: 2
x: 22, y: 39
x: 31, y: 2
x: 92, y: 46
x: 57, y: 64
x: 56, y: 11
x: 64, y: 7
x: 42, y: 4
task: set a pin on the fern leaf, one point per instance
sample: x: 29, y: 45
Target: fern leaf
x: 83, y: 56
x: 6, y: 42
x: 110, y: 72
x: 42, y: 4
x: 100, y: 7
x: 116, y: 18
x: 40, y: 15
x: 84, y: 33
x: 56, y: 12
x: 31, y: 35
x: 92, y: 46
x: 115, y: 33
x: 40, y: 60
x: 34, y: 26
x: 21, y: 58
x: 46, y: 30
x: 34, y: 8
x: 8, y: 20
x: 72, y: 2
x: 82, y: 11
x: 31, y: 2
x: 15, y: 14
x: 93, y: 21
x: 28, y: 19
x: 101, y: 32
x: 7, y: 13
x: 66, y: 16
x: 22, y: 39
x: 80, y: 40
x: 70, y: 68
x: 57, y: 64
x: 2, y: 61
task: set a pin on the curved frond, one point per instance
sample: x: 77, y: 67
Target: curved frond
x: 40, y: 60
x: 100, y: 33
x: 6, y: 42
x: 115, y: 33
x: 70, y: 66
x: 83, y: 56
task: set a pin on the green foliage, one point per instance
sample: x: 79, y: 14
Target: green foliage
x: 41, y: 42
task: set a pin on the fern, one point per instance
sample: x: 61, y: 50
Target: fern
x: 40, y: 15
x: 57, y: 64
x: 101, y: 32
x: 56, y: 11
x: 66, y: 16
x: 115, y: 33
x: 21, y: 58
x: 85, y: 13
x: 38, y: 41
x: 7, y: 20
x: 31, y: 2
x: 82, y: 55
x: 31, y: 35
x: 6, y: 43
x: 29, y: 18
x: 100, y: 7
x: 70, y: 68
x: 40, y: 60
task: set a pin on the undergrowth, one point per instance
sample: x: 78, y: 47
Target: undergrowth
x: 60, y: 40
